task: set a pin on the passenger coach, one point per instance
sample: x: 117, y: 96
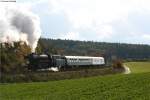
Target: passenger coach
x: 84, y: 60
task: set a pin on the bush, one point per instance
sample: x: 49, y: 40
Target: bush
x: 51, y: 76
x: 117, y: 64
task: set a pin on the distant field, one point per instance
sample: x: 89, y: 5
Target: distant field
x: 113, y: 87
x: 138, y: 67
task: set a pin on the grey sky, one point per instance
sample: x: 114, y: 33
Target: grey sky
x: 98, y: 20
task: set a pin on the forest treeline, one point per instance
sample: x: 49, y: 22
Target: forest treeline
x: 12, y: 56
x: 90, y: 48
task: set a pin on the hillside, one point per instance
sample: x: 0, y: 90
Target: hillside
x: 115, y: 87
x: 108, y: 50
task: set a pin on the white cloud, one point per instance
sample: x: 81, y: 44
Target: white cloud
x: 104, y: 31
x: 146, y: 37
x: 110, y: 20
x: 100, y: 15
x: 85, y: 13
x: 71, y: 35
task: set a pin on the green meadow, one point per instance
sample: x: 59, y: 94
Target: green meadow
x: 134, y: 86
x: 138, y: 67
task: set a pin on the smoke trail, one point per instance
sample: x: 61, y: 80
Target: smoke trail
x: 19, y: 24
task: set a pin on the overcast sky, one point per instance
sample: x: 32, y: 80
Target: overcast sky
x: 126, y: 21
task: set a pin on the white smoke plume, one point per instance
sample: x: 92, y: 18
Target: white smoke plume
x: 19, y: 24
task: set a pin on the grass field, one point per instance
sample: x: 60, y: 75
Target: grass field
x: 138, y: 67
x: 134, y: 86
x: 114, y: 87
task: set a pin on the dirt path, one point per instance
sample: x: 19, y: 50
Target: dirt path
x: 127, y: 70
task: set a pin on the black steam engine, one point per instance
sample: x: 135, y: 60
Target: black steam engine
x: 45, y: 61
x: 57, y: 62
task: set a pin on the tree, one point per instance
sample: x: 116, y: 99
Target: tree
x: 12, y: 56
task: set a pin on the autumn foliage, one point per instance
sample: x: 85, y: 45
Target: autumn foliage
x: 12, y: 56
x: 117, y: 64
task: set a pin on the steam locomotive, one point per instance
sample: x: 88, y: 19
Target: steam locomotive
x: 58, y: 62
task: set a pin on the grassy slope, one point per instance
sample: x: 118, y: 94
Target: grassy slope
x: 138, y: 67
x: 113, y: 87
x: 126, y: 87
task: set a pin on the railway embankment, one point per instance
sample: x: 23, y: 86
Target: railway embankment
x: 52, y: 76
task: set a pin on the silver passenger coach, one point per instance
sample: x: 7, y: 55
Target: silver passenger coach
x: 84, y: 60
